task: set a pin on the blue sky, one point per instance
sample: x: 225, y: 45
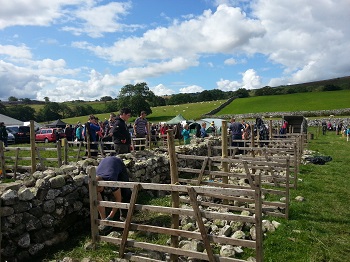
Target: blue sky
x: 86, y: 49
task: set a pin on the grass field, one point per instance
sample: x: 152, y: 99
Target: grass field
x: 292, y: 102
x: 164, y: 113
x: 278, y: 103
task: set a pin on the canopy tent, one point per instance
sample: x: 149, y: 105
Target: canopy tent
x: 177, y: 119
x: 208, y: 121
x: 9, y: 121
x: 37, y: 126
x: 57, y: 123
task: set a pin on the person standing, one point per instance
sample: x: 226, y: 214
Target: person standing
x: 120, y: 132
x: 236, y: 129
x: 141, y: 128
x: 204, y: 130
x: 68, y: 131
x: 79, y: 133
x: 186, y: 134
x: 91, y: 128
x: 3, y: 133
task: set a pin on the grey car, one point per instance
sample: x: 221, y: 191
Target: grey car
x: 10, y: 137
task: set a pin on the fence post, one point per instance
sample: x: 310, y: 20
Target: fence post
x: 66, y: 151
x: 93, y: 205
x: 2, y: 160
x: 175, y: 200
x: 224, y: 153
x: 59, y: 153
x: 252, y: 139
x: 258, y: 219
x: 32, y: 147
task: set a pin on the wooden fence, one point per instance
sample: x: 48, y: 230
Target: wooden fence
x: 227, y: 173
x: 175, y: 189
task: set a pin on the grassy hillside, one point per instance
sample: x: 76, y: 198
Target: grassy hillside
x: 277, y: 103
x: 165, y: 113
x: 292, y: 102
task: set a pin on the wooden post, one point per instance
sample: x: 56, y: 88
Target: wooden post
x: 270, y: 129
x: 59, y: 153
x: 286, y: 212
x: 258, y: 219
x: 65, y: 151
x: 148, y: 137
x: 175, y: 200
x: 252, y: 139
x: 224, y: 153
x: 2, y: 160
x: 32, y: 147
x: 16, y: 163
x: 93, y: 205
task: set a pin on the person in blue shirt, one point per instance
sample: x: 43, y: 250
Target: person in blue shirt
x: 204, y: 130
x: 186, y: 134
x: 91, y: 128
x: 112, y: 168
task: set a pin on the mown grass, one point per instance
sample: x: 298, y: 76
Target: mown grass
x: 317, y: 230
x: 277, y: 103
x: 287, y: 103
x: 164, y: 113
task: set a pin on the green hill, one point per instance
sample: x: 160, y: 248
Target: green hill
x: 286, y: 103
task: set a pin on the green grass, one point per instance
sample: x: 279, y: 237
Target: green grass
x: 286, y: 103
x: 318, y: 229
x: 163, y: 113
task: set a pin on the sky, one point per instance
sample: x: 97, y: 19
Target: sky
x: 86, y: 49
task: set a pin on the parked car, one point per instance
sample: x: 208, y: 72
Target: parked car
x: 10, y: 137
x: 21, y: 133
x: 49, y: 134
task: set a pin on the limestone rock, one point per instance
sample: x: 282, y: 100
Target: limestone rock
x: 227, y: 251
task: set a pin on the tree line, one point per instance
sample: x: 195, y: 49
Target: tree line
x: 139, y: 98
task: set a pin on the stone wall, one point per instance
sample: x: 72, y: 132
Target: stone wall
x: 44, y: 209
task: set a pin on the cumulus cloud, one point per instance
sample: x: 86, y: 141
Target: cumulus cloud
x: 306, y: 40
x: 309, y: 39
x: 230, y: 61
x: 191, y: 89
x: 162, y: 90
x: 250, y: 80
x: 32, y: 12
x: 209, y: 33
x: 156, y: 69
x: 97, y: 20
x: 12, y: 51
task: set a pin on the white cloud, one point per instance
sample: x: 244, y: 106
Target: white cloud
x: 309, y: 39
x: 250, y: 80
x: 191, y: 89
x: 161, y: 90
x: 15, y: 51
x: 97, y: 20
x: 227, y: 85
x: 208, y: 33
x: 156, y: 69
x: 32, y: 12
x: 230, y: 61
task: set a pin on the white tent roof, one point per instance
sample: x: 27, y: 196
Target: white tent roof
x: 36, y: 125
x: 9, y: 121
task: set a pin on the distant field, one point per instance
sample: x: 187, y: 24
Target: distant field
x: 164, y: 113
x: 286, y: 103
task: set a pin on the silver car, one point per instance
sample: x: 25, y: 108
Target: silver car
x: 10, y: 137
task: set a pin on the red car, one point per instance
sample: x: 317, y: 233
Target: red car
x: 49, y: 134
